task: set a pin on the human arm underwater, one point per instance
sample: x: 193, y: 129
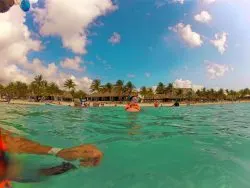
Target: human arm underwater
x: 88, y: 155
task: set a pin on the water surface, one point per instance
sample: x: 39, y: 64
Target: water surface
x: 186, y: 147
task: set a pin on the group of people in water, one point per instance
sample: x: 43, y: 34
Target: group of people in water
x: 88, y: 155
x: 131, y: 106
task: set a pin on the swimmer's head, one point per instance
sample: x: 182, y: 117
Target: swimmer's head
x: 134, y: 100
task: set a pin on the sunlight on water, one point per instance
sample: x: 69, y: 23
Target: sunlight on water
x: 186, y: 147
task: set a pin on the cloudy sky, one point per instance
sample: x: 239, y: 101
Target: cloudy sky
x: 189, y: 42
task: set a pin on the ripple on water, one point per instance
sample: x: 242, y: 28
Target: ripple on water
x: 203, y: 146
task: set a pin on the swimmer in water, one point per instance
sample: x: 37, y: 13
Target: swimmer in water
x: 133, y: 104
x: 176, y: 104
x: 88, y: 155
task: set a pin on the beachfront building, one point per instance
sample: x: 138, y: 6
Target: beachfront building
x: 180, y: 94
x: 174, y: 94
x: 106, y: 96
x: 110, y: 96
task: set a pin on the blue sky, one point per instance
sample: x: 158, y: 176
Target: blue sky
x: 153, y: 40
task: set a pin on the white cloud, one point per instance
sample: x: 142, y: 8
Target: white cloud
x: 15, y: 44
x: 131, y: 76
x: 71, y: 19
x: 179, y: 1
x: 179, y: 83
x: 220, y: 42
x: 13, y: 73
x: 217, y: 70
x: 154, y: 88
x: 207, y: 1
x: 147, y: 74
x: 15, y: 38
x: 197, y: 87
x: 190, y: 37
x: 53, y: 74
x: 73, y: 64
x: 203, y: 17
x: 115, y: 38
x: 161, y: 3
x: 33, y: 1
x: 83, y: 83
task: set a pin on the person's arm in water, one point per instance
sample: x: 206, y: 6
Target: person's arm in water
x: 88, y: 155
x: 41, y: 174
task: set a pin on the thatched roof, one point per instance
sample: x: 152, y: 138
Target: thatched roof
x: 108, y: 94
x: 67, y: 95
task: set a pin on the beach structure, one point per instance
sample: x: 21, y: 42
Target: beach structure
x: 112, y: 95
x: 107, y: 96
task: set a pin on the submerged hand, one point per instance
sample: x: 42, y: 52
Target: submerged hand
x: 88, y: 155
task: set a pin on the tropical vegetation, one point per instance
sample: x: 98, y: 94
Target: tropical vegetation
x: 40, y: 88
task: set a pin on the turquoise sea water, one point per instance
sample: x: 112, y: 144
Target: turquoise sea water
x: 186, y: 147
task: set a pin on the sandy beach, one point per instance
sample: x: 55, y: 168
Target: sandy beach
x: 110, y: 104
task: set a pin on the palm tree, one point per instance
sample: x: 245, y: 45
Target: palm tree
x: 119, y: 87
x: 189, y: 95
x: 221, y: 94
x: 21, y: 89
x: 70, y: 84
x: 38, y: 86
x: 160, y: 88
x: 80, y: 94
x: 169, y: 89
x: 179, y: 93
x: 95, y: 86
x: 53, y: 89
x: 108, y: 87
x: 143, y: 91
x: 129, y: 87
x: 150, y: 92
x: 1, y: 90
x: 211, y: 94
x: 38, y: 79
x: 10, y: 91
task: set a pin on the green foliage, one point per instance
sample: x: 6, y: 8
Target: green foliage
x: 53, y: 89
x: 38, y: 86
x: 143, y: 91
x: 129, y: 87
x: 95, y: 86
x: 108, y: 87
x: 70, y: 85
x: 160, y: 88
x: 79, y: 94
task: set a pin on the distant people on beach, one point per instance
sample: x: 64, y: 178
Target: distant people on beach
x: 81, y: 103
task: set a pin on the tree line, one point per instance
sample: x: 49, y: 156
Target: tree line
x: 206, y: 94
x: 39, y: 87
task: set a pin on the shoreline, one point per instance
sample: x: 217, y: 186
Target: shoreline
x: 24, y: 102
